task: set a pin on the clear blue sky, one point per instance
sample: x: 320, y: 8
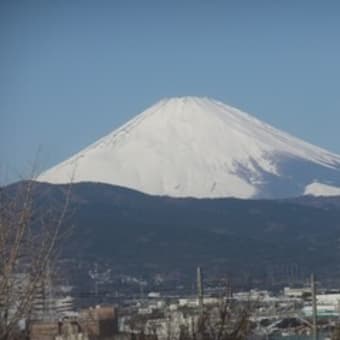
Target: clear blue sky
x: 71, y: 71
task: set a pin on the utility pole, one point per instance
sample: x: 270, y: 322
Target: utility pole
x: 229, y: 292
x: 200, y: 289
x: 315, y: 310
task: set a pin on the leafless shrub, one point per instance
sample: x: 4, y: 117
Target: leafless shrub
x: 29, y: 235
x: 228, y: 321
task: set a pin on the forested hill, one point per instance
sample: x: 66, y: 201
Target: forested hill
x: 139, y: 232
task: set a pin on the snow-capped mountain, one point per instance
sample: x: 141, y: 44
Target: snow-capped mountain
x: 200, y: 147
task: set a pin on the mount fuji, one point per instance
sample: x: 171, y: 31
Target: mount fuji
x: 200, y: 147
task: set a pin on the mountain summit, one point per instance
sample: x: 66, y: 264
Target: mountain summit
x: 200, y: 147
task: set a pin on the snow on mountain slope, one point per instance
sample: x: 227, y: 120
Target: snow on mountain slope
x: 200, y: 147
x: 319, y: 189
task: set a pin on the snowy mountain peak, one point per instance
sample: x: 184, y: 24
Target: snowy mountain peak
x: 200, y: 147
